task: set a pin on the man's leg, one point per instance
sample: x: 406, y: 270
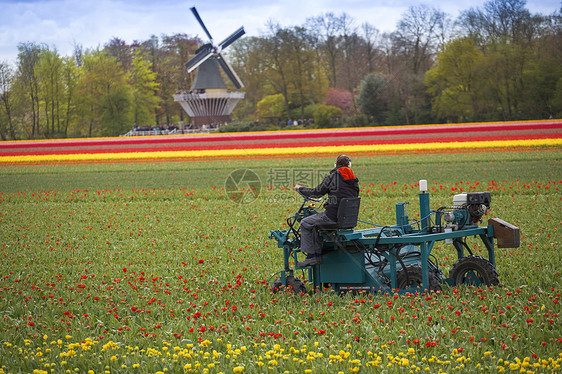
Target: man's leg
x: 311, y: 242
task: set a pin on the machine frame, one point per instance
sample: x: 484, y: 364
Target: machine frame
x: 397, y: 258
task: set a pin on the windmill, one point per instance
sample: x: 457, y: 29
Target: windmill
x: 209, y: 102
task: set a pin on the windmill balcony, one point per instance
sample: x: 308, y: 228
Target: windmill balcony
x: 219, y: 94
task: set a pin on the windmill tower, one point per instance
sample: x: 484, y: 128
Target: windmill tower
x: 208, y: 101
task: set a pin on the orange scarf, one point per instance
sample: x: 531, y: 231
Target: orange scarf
x: 346, y: 173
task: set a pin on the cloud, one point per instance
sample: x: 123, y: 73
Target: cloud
x: 63, y: 23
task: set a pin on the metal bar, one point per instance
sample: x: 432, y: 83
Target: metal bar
x: 489, y: 243
x: 459, y: 248
x: 425, y: 251
x: 424, y: 210
x: 414, y: 238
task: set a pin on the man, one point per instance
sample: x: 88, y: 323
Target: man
x: 339, y: 184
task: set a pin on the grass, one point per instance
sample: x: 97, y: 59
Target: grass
x: 150, y: 268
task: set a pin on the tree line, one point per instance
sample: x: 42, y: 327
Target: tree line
x: 494, y: 63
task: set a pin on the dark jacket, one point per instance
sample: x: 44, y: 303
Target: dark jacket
x: 339, y: 184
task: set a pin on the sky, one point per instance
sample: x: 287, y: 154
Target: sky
x: 61, y: 24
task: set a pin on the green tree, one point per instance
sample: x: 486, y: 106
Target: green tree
x: 116, y: 115
x: 28, y: 58
x: 7, y: 103
x: 105, y: 96
x: 49, y: 75
x: 452, y: 82
x: 370, y: 99
x: 327, y: 115
x: 507, y: 34
x: 271, y: 108
x: 144, y: 87
x: 70, y: 80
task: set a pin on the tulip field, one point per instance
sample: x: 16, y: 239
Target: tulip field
x: 147, y: 266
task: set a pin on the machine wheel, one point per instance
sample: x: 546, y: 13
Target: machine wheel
x: 277, y: 285
x: 413, y: 274
x: 293, y: 284
x: 296, y: 284
x: 474, y: 270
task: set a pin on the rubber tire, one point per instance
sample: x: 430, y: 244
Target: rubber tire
x: 415, y: 277
x: 277, y: 285
x: 293, y: 284
x: 485, y: 270
x: 296, y: 285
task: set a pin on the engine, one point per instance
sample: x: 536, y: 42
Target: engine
x: 468, y: 209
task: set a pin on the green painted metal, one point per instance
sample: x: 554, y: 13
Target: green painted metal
x: 353, y: 259
x: 342, y: 267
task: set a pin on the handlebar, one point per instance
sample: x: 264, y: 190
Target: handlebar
x: 309, y: 198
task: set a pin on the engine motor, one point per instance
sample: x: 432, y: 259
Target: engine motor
x: 468, y: 208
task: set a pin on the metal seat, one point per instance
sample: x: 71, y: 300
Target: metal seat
x: 348, y: 211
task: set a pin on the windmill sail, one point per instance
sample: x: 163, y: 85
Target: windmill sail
x: 232, y: 38
x: 199, y: 58
x: 194, y: 11
x: 230, y: 72
x: 209, y: 50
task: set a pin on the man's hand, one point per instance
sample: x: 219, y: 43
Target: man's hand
x: 297, y: 186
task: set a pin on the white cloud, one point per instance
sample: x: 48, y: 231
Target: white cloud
x: 62, y: 23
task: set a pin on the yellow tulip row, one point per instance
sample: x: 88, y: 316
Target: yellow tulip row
x: 260, y: 152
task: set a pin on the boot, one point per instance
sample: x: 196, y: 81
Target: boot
x: 310, y: 260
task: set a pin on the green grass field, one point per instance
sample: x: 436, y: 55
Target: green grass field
x: 151, y: 268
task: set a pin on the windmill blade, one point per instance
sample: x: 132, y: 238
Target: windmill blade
x: 232, y: 38
x: 204, y: 47
x: 230, y: 72
x: 194, y: 11
x: 200, y: 58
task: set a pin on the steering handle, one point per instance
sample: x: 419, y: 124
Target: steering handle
x: 309, y: 198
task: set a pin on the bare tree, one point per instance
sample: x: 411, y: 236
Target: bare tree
x: 500, y: 20
x: 327, y: 31
x: 419, y: 34
x: 371, y: 35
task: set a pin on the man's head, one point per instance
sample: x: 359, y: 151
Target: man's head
x: 343, y: 161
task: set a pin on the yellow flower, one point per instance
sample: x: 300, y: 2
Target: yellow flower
x: 238, y: 369
x: 282, y: 151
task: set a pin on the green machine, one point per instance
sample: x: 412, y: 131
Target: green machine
x: 396, y: 258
